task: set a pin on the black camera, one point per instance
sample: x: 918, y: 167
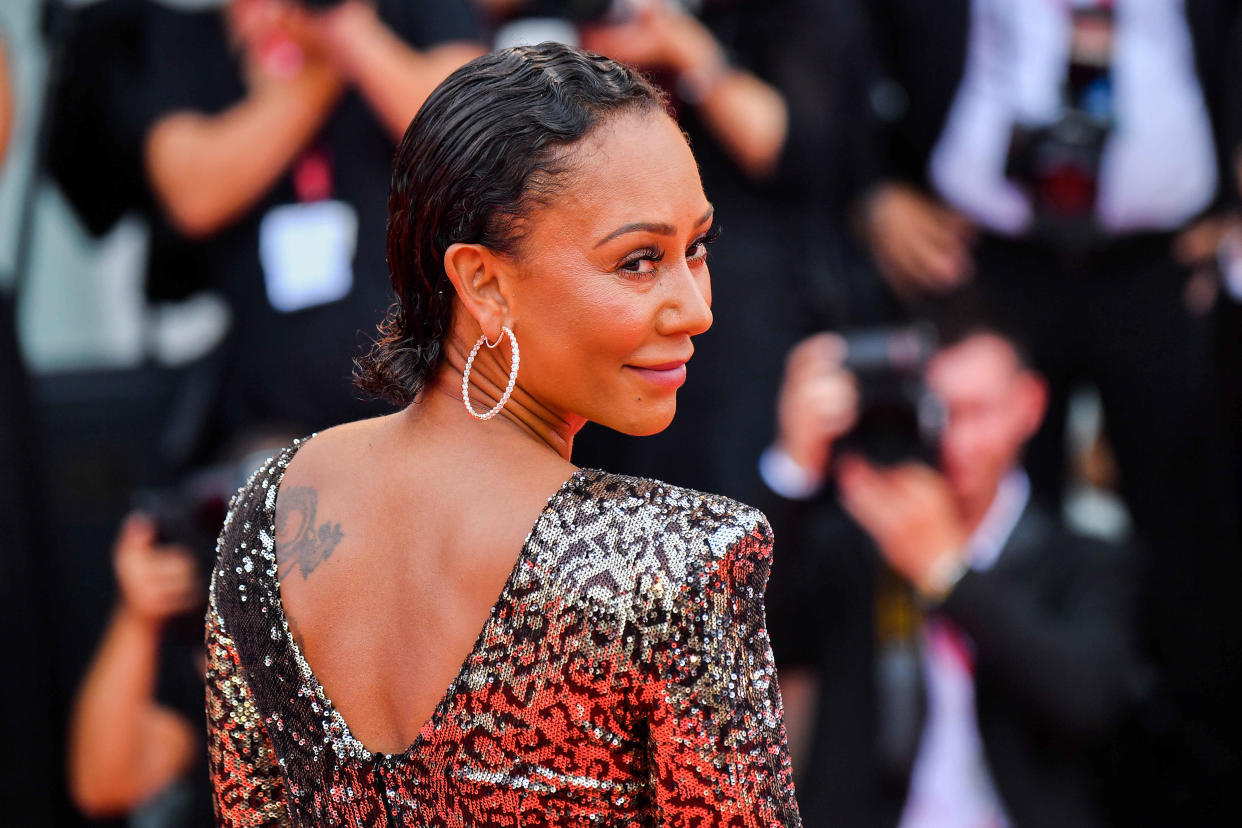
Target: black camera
x: 1058, y: 166
x: 1057, y: 163
x: 899, y: 418
x: 191, y: 512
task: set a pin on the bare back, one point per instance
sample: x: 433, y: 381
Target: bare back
x: 391, y: 553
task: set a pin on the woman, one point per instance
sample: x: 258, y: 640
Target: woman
x: 623, y: 676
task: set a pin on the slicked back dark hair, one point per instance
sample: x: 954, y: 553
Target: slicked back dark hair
x: 486, y: 148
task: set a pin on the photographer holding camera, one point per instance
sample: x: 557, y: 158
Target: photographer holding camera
x: 135, y: 733
x: 1074, y: 158
x: 1007, y: 663
x: 127, y: 744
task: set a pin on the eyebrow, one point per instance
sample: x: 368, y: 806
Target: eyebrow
x: 659, y: 228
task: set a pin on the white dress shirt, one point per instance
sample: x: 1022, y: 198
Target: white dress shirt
x: 951, y: 786
x: 1158, y: 167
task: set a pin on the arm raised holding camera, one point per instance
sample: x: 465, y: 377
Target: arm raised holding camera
x: 818, y: 403
x: 123, y: 745
x: 907, y: 509
x: 748, y: 116
x: 208, y: 169
x: 205, y: 169
x: 394, y: 77
x: 910, y: 513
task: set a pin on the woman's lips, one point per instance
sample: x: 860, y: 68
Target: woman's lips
x: 665, y: 375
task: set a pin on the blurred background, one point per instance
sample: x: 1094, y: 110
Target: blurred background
x: 976, y: 353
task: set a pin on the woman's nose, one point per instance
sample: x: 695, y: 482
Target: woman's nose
x: 689, y: 310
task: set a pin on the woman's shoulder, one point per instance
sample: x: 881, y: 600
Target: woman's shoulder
x: 647, y: 504
x: 257, y: 494
x: 252, y: 511
x: 247, y: 538
x: 620, y: 539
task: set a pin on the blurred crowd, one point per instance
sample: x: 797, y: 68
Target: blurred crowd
x: 976, y: 353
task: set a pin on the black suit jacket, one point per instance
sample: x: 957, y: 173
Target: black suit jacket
x: 922, y: 48
x: 1054, y: 664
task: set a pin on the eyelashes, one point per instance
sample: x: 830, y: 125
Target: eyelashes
x: 705, y: 241
x: 631, y: 266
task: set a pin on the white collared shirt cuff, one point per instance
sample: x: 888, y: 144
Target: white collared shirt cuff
x: 785, y: 477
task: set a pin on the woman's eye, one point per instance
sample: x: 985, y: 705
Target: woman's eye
x: 639, y: 266
x: 642, y: 263
x: 698, y: 250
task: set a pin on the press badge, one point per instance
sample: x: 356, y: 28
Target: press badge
x: 307, y: 253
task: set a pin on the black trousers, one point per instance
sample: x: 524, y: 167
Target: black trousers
x: 1117, y: 317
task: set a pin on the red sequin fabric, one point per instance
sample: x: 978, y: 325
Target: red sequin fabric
x: 623, y: 678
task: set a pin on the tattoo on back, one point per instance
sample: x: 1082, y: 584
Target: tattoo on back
x: 300, y: 543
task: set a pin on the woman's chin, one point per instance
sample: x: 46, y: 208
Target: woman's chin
x: 651, y: 420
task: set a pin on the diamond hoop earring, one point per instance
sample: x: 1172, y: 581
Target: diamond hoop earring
x: 513, y: 372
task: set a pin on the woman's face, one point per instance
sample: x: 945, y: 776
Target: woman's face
x: 611, y: 280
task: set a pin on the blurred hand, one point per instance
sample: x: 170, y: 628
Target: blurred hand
x: 345, y: 24
x: 658, y: 37
x: 919, y: 245
x: 156, y: 582
x: 280, y: 40
x: 910, y: 514
x: 818, y: 402
x: 1196, y: 246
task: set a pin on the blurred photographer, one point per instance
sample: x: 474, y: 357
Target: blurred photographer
x: 994, y: 645
x: 126, y: 745
x: 267, y: 130
x: 136, y: 744
x: 1074, y: 159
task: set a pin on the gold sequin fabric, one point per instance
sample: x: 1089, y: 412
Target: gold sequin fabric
x: 623, y: 678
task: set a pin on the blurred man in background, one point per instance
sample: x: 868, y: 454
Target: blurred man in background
x: 1074, y: 159
x: 994, y: 648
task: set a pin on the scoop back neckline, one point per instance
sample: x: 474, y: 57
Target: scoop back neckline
x: 432, y: 723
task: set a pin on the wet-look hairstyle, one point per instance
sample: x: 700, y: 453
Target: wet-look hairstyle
x: 487, y: 147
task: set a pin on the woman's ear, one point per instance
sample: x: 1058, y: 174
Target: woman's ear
x: 479, y: 276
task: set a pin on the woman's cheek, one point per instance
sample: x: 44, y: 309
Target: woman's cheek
x: 623, y: 318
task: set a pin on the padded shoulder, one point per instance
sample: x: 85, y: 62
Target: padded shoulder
x: 634, y: 545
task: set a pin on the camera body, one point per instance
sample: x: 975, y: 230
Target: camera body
x: 1057, y: 163
x: 190, y: 512
x: 899, y: 418
x: 1058, y: 166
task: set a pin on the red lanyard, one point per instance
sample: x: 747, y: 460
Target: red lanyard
x: 312, y: 175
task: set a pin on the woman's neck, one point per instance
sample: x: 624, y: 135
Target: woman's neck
x: 521, y: 416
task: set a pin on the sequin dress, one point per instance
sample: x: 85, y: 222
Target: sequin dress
x: 624, y: 677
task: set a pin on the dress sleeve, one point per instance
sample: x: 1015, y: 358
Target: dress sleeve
x: 717, y: 740
x: 247, y: 786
